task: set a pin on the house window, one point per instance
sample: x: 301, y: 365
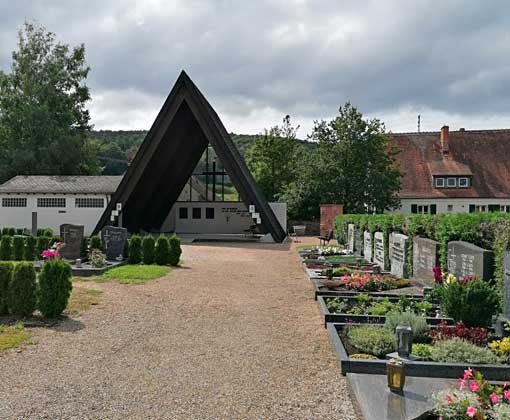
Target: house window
x: 423, y: 209
x: 507, y: 209
x: 209, y: 213
x: 439, y: 182
x: 14, y: 202
x: 473, y: 208
x: 197, y: 213
x: 452, y: 182
x: 89, y: 202
x: 450, y: 207
x: 183, y: 212
x: 51, y: 202
x: 494, y: 208
x: 463, y: 182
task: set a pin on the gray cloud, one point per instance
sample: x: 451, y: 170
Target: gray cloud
x: 257, y: 61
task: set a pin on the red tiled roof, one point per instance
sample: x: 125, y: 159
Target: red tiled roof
x: 483, y: 153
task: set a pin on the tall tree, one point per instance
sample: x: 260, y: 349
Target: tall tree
x: 271, y: 159
x: 353, y: 165
x: 43, y: 118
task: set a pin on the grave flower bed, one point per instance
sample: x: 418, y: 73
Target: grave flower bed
x: 368, y: 282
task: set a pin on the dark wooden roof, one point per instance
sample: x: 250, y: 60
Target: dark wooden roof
x: 482, y: 154
x: 184, y: 127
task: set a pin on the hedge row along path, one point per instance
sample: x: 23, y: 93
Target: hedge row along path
x: 234, y: 334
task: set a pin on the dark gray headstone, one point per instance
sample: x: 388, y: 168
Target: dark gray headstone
x: 379, y: 253
x: 367, y: 246
x: 72, y: 236
x: 358, y: 241
x: 114, y: 241
x: 398, y: 253
x: 465, y: 259
x: 425, y: 258
x: 350, y: 237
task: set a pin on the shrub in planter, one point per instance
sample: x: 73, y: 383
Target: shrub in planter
x: 97, y: 259
x: 6, y: 269
x: 501, y: 348
x: 175, y: 250
x: 6, y: 247
x: 162, y: 251
x: 22, y: 289
x: 422, y: 350
x: 148, y: 245
x: 30, y: 248
x: 135, y: 250
x: 457, y: 350
x: 18, y: 248
x: 417, y: 323
x: 95, y: 242
x: 474, y: 335
x: 54, y: 287
x: 372, y: 340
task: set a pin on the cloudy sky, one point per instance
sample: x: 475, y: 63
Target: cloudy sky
x: 257, y: 61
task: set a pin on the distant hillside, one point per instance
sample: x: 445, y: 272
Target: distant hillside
x: 116, y: 148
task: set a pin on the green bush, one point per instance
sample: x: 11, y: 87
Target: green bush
x: 372, y: 340
x: 474, y: 303
x: 5, y: 231
x: 422, y: 350
x: 54, y: 287
x: 12, y: 231
x: 95, y: 243
x: 19, y: 231
x: 18, y: 248
x: 417, y: 323
x: 162, y: 251
x: 135, y: 250
x: 22, y: 289
x: 175, y: 250
x: 55, y: 239
x: 43, y: 243
x: 456, y: 350
x: 30, y: 248
x: 84, y: 247
x: 148, y: 251
x: 6, y: 269
x: 6, y: 248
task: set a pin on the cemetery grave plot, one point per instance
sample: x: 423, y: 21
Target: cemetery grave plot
x: 360, y: 355
x: 367, y: 309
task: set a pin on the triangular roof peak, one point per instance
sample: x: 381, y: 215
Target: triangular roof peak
x: 183, y: 128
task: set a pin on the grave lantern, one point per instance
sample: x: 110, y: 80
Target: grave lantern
x: 396, y: 372
x: 404, y: 340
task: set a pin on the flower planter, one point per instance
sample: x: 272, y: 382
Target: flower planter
x: 493, y: 372
x: 411, y: 292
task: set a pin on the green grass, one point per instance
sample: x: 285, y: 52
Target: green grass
x: 82, y: 299
x: 134, y: 274
x: 14, y: 336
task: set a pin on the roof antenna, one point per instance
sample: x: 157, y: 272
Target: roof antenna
x: 419, y: 120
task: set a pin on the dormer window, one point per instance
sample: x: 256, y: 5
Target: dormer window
x: 463, y: 182
x: 451, y: 182
x: 439, y: 182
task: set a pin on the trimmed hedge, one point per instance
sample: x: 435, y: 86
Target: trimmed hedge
x: 18, y: 248
x: 175, y: 250
x: 6, y: 269
x: 30, y: 248
x: 148, y: 244
x: 22, y: 290
x: 95, y: 242
x: 135, y: 250
x: 55, y: 287
x: 6, y: 248
x: 162, y: 251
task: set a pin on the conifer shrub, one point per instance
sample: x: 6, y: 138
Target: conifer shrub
x: 54, y: 287
x: 18, y: 248
x: 19, y: 231
x: 5, y: 231
x: 22, y: 289
x: 30, y: 248
x: 135, y: 250
x: 6, y: 248
x: 43, y: 243
x: 148, y: 250
x: 12, y: 231
x: 95, y: 242
x: 84, y: 247
x: 175, y: 250
x: 162, y: 251
x: 6, y: 269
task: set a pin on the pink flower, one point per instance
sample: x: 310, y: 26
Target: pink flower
x: 468, y: 373
x: 438, y: 276
x: 506, y: 394
x: 473, y: 386
x: 449, y: 399
x: 495, y: 398
x: 462, y: 384
x: 50, y: 254
x: 471, y: 411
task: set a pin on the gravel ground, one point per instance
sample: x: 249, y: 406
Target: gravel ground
x: 234, y: 334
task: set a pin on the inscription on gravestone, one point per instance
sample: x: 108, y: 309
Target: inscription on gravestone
x: 398, y: 246
x: 379, y: 254
x: 367, y: 246
x: 72, y: 236
x: 465, y: 259
x: 350, y: 237
x: 114, y: 241
x: 425, y: 258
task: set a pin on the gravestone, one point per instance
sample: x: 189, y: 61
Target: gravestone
x: 504, y: 318
x: 425, y: 258
x: 72, y: 236
x: 114, y: 241
x: 367, y: 246
x: 358, y: 241
x: 350, y: 237
x: 398, y: 254
x: 465, y: 259
x: 379, y: 253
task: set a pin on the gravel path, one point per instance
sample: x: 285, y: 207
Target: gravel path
x: 235, y: 334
